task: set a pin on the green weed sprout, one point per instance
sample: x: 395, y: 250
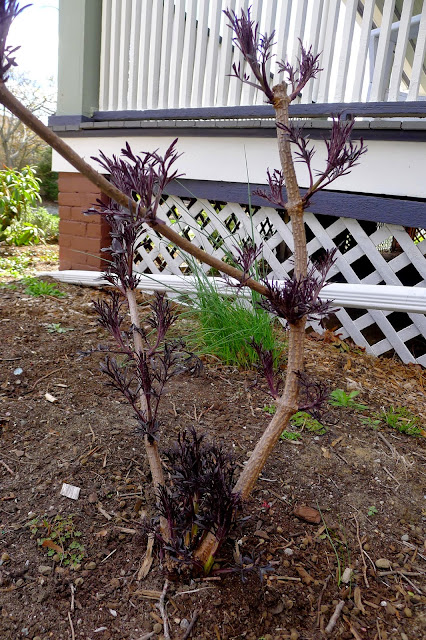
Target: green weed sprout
x: 401, y: 419
x: 37, y: 288
x: 339, y: 398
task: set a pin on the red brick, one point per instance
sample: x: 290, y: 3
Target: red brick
x: 64, y: 212
x: 88, y: 200
x: 66, y: 240
x: 76, y: 213
x: 69, y: 199
x: 94, y: 231
x: 72, y: 228
x: 81, y: 237
x: 89, y: 245
x: 66, y: 255
x: 95, y: 262
x: 75, y: 182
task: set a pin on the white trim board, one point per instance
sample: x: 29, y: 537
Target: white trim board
x: 354, y: 296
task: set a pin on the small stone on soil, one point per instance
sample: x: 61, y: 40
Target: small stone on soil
x: 383, y: 563
x: 308, y: 514
x: 44, y: 570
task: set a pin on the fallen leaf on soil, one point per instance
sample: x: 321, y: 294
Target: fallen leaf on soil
x: 50, y: 398
x: 325, y: 453
x: 103, y: 512
x: 308, y: 514
x: 306, y: 578
x: 147, y: 561
x: 261, y: 534
x: 52, y: 545
x: 336, y: 441
x: 357, y: 600
x: 148, y: 593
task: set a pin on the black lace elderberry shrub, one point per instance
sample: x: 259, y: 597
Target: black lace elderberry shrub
x: 198, y: 499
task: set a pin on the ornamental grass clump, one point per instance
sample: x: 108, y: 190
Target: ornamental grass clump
x: 135, y: 192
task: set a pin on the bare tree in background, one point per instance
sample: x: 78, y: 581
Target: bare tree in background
x: 19, y: 145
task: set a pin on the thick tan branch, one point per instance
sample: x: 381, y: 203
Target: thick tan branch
x: 29, y: 119
x: 287, y: 406
x: 295, y: 203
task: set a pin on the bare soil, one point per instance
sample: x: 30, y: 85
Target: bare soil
x: 368, y: 484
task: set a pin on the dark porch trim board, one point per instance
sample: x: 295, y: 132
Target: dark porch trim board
x: 413, y: 109
x: 407, y: 212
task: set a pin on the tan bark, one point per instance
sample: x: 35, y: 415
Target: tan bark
x: 288, y: 403
x: 287, y: 406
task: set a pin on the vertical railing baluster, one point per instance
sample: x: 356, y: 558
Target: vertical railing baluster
x: 326, y: 59
x: 199, y: 77
x: 177, y: 52
x: 144, y: 61
x: 135, y: 39
x: 247, y: 92
x: 283, y: 28
x: 114, y: 55
x: 105, y: 62
x: 367, y: 21
x: 346, y: 50
x: 166, y: 48
x: 299, y: 30
x: 124, y: 50
x: 225, y: 58
x: 419, y: 58
x: 155, y: 55
x: 379, y: 79
x: 400, y: 50
x: 314, y: 38
x: 235, y: 89
x: 213, y: 53
x: 188, y: 54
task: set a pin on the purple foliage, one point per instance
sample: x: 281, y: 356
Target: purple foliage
x: 276, y: 185
x: 149, y: 370
x: 109, y: 316
x: 316, y: 394
x: 342, y: 155
x: 256, y: 49
x: 244, y: 258
x: 298, y: 77
x: 267, y: 365
x: 143, y: 179
x: 9, y: 10
x: 199, y: 497
x: 299, y: 297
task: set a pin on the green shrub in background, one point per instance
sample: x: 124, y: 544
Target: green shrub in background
x: 19, y: 191
x: 49, y: 178
x: 34, y: 226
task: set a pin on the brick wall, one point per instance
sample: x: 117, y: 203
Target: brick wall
x: 81, y: 237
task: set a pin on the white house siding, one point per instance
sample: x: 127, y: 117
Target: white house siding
x: 389, y: 167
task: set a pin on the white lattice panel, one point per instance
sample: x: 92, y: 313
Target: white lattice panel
x: 218, y: 227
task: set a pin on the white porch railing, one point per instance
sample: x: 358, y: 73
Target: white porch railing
x: 178, y: 53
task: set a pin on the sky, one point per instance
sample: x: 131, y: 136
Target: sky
x: 36, y: 31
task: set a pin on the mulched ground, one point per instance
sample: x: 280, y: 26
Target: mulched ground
x: 368, y: 484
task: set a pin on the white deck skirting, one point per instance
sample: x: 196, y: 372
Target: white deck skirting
x: 355, y: 296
